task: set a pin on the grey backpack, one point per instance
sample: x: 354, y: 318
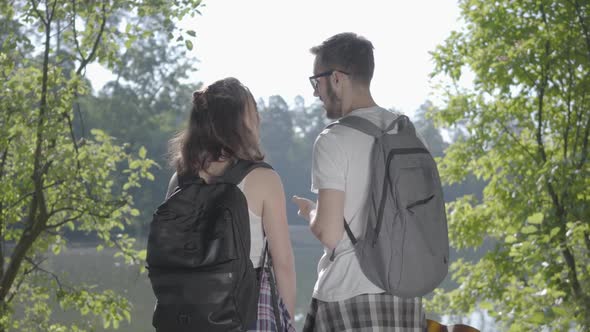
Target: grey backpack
x: 405, y: 248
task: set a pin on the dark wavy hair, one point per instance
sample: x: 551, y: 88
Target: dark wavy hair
x: 348, y: 52
x: 216, y: 129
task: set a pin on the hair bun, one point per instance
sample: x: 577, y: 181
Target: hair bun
x: 200, y: 99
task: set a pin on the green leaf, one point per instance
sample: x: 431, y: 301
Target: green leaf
x: 537, y: 318
x: 559, y: 311
x: 535, y: 219
x: 554, y: 231
x: 529, y: 229
x: 135, y: 164
x: 510, y: 239
x: 486, y: 305
x: 189, y: 44
x: 142, y: 152
x: 191, y: 33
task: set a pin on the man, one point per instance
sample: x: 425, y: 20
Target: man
x: 343, y: 298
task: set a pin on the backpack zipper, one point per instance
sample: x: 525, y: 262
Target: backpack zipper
x: 390, y: 156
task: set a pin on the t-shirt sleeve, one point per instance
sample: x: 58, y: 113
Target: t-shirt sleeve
x: 328, y: 164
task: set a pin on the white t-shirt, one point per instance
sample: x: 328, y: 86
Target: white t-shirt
x: 341, y: 157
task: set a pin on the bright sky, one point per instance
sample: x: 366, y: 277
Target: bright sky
x: 265, y: 43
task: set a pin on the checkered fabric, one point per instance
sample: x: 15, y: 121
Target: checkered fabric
x: 265, y: 321
x: 366, y: 313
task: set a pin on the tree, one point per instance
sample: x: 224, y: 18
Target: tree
x: 527, y: 124
x: 148, y: 90
x: 426, y: 127
x: 50, y: 178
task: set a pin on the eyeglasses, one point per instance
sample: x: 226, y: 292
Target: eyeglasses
x: 314, y: 80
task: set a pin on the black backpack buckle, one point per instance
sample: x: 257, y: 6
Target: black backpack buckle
x: 183, y: 318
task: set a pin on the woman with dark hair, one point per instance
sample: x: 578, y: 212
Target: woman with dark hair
x: 224, y: 127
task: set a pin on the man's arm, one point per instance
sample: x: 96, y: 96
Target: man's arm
x: 326, y: 220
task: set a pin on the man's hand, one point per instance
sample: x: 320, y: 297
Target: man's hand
x: 305, y: 207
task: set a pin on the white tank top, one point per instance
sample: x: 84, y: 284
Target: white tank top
x: 256, y: 235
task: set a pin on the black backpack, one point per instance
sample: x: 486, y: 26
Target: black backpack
x: 198, y: 256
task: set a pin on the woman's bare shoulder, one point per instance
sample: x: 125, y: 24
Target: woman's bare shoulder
x: 264, y: 178
x: 264, y: 175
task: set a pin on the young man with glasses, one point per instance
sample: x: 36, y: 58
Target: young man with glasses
x: 343, y: 298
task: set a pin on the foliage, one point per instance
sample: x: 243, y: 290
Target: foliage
x: 52, y: 180
x: 287, y: 136
x: 145, y: 103
x: 526, y: 131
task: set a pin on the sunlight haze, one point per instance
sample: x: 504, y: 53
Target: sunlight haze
x: 265, y: 44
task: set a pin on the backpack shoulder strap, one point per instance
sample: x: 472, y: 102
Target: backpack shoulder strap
x: 404, y: 126
x: 185, y: 179
x: 236, y: 173
x: 360, y: 124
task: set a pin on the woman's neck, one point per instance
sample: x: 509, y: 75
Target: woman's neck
x: 216, y: 168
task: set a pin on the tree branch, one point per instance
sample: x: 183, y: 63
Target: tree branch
x: 571, y: 263
x: 517, y: 141
x: 32, y: 193
x: 121, y: 249
x: 50, y: 16
x: 85, y: 61
x: 37, y: 209
x: 568, y: 97
x: 115, y: 205
x: 4, y: 156
x: 579, y: 119
x: 37, y: 266
x: 65, y: 221
x: 73, y: 136
x: 17, y: 287
x: 108, y: 214
x: 77, y: 106
x: 38, y: 12
x: 582, y: 19
x: 22, y: 247
x: 541, y: 96
x: 74, y: 29
x: 585, y: 146
x: 560, y: 212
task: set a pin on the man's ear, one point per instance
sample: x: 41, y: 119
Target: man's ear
x: 337, y: 80
x: 336, y: 77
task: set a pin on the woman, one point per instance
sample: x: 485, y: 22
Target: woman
x: 223, y: 127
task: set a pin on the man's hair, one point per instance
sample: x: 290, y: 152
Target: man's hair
x: 216, y: 129
x: 347, y: 52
